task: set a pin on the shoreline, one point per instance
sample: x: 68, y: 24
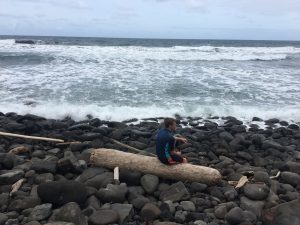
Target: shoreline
x: 266, y: 152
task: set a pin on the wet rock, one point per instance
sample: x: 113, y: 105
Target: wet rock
x: 256, y: 119
x: 283, y: 214
x: 226, y: 136
x: 81, y: 126
x: 8, y: 160
x: 113, y: 193
x: 197, y: 187
x: 100, y: 180
x: 70, y: 212
x: 166, y: 212
x: 104, y: 217
x: 230, y: 194
x: 41, y: 212
x: 167, y: 223
x: 261, y: 176
x: 175, y: 192
x: 13, y: 126
x: 221, y: 211
x: 33, y: 223
x: 138, y: 145
x: 238, y: 128
x: 149, y: 182
x: 271, y: 144
x: 252, y: 206
x: 90, y: 136
x: 92, y: 201
x: 130, y: 177
x: 3, y: 218
x: 180, y: 217
x: 194, y: 216
x: 10, y: 177
x: 272, y: 121
x: 256, y: 191
x: 150, y: 212
x: 188, y: 206
x: 59, y: 223
x: 139, y: 202
x: 134, y: 192
x: 244, y: 155
x: 43, y: 178
x: 290, y: 178
x: 235, y: 216
x: 292, y: 166
x: 62, y: 192
x: 293, y: 126
x: 43, y: 166
x: 24, y: 203
x: 125, y: 212
x: 141, y: 133
x: 4, y: 199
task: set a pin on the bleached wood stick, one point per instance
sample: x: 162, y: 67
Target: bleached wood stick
x: 116, y: 175
x: 30, y: 137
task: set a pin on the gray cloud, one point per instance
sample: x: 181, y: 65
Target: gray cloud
x: 265, y: 7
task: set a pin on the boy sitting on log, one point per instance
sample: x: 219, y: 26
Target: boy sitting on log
x: 166, y: 144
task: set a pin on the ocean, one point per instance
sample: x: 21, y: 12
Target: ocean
x: 118, y: 79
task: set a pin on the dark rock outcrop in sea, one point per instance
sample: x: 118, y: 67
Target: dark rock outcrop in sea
x: 60, y: 187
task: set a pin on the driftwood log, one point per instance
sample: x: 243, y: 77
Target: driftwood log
x: 111, y: 158
x: 30, y: 137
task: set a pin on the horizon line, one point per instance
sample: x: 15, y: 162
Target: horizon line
x: 145, y: 38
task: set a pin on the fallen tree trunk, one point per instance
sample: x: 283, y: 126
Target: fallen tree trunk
x: 111, y: 158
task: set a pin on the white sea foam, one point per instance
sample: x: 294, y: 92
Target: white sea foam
x: 116, y: 82
x: 120, y: 113
x: 179, y: 53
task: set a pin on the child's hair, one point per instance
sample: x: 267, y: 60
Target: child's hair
x: 168, y: 122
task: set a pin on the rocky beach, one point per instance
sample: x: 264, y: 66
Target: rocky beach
x: 55, y: 184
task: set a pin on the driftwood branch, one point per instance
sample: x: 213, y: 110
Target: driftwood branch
x: 16, y: 186
x: 30, y: 137
x: 135, y: 150
x: 68, y: 143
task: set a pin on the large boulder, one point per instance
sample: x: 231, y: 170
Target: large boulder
x: 61, y: 192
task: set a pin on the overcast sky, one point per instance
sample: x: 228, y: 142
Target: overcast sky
x: 216, y: 19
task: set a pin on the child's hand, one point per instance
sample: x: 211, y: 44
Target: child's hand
x: 184, y: 140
